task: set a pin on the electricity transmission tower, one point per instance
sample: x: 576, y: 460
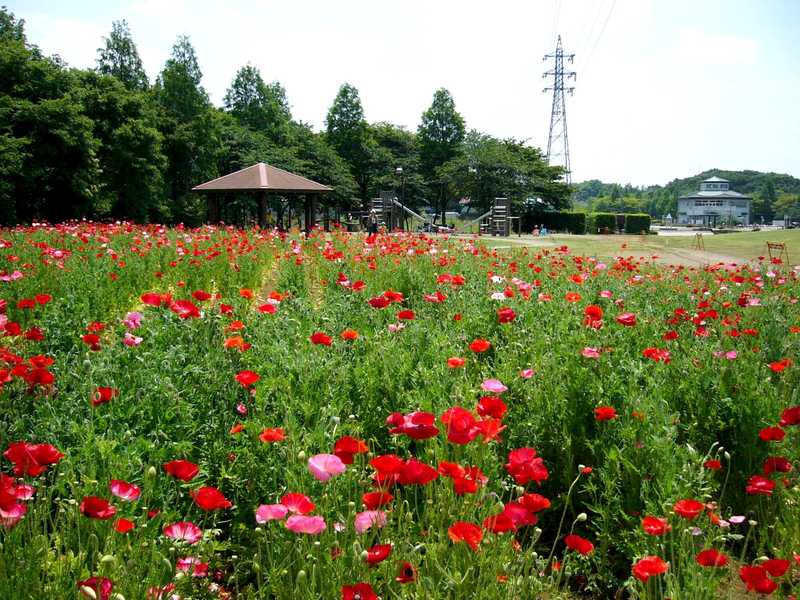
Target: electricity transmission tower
x: 558, y: 142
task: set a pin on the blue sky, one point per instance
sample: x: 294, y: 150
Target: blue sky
x: 664, y: 89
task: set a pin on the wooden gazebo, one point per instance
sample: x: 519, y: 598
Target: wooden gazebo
x: 260, y: 180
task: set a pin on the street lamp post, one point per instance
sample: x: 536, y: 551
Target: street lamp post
x: 399, y: 172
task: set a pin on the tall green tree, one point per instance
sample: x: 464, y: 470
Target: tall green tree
x: 256, y: 105
x: 189, y: 127
x: 440, y: 135
x: 120, y: 58
x: 47, y: 150
x: 130, y: 183
x: 347, y: 131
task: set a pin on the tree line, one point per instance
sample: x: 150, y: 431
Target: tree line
x: 774, y: 195
x: 107, y: 143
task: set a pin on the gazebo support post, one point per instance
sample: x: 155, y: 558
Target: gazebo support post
x: 310, y: 212
x: 262, y: 210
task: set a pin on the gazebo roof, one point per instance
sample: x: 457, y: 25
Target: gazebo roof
x: 265, y: 178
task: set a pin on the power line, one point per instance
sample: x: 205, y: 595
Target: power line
x: 597, y: 41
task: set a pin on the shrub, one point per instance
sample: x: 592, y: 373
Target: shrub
x: 603, y: 223
x: 572, y: 222
x: 637, y: 223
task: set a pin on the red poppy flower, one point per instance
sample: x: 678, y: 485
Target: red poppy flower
x: 374, y: 500
x: 359, y: 591
x: 407, y: 573
x: 154, y: 299
x: 246, y: 293
x: 491, y: 406
x: 415, y: 472
x: 501, y: 523
x: 780, y: 365
x: 247, y: 378
x: 455, y: 362
x: 469, y: 481
x: 321, y: 339
x: 185, y: 309
x: 776, y: 567
x: 572, y: 297
x: 378, y: 553
x: 713, y: 464
x: 210, y: 498
x: 267, y: 308
x: 181, y: 469
x: 299, y: 504
x: 104, y: 394
x: 346, y: 447
x: 711, y: 558
x: 480, y: 345
x: 579, y: 544
x: 417, y: 425
x: 688, y: 508
x: 31, y: 459
x: 756, y: 579
x: 655, y: 526
x: 97, y: 508
x: 43, y: 299
x: 237, y: 428
x: 627, y: 319
x: 201, y: 295
x: 406, y: 315
x: 123, y: 525
x: 489, y: 429
x: 272, y: 434
x: 349, y: 335
x: 378, y: 302
x: 101, y: 586
x: 534, y: 502
x: 506, y: 315
x: 92, y: 340
x: 778, y: 464
x: 657, y: 355
x: 772, y: 434
x: 649, y: 566
x: 524, y: 466
x: 759, y: 485
x: 790, y: 416
x: 469, y: 533
x: 461, y: 425
x: 605, y: 413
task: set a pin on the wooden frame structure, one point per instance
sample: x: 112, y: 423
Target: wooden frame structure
x: 261, y: 180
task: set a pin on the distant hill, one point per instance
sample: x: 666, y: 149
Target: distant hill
x: 746, y: 182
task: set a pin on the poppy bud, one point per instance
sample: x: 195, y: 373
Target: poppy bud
x: 108, y: 559
x: 117, y: 597
x: 364, y: 555
x: 256, y: 567
x: 520, y: 490
x: 752, y: 523
x: 301, y: 579
x: 301, y: 455
x: 357, y: 548
x: 151, y: 472
x: 335, y: 420
x: 727, y: 455
x: 88, y: 592
x: 581, y: 517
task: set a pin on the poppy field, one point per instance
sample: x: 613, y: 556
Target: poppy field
x: 226, y: 413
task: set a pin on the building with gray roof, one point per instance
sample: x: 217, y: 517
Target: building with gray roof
x: 715, y: 204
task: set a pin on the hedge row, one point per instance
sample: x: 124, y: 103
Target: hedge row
x: 613, y: 222
x: 572, y: 222
x: 580, y: 223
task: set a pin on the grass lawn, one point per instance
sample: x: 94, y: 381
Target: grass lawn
x: 731, y: 246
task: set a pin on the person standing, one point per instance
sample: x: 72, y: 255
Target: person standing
x: 372, y: 225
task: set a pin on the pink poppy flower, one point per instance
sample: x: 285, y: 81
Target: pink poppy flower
x: 133, y: 320
x: 325, y: 466
x: 589, y: 352
x: 131, y: 340
x: 124, y: 490
x: 270, y: 512
x: 304, y: 524
x: 368, y: 518
x: 191, y: 565
x: 495, y: 386
x: 527, y: 373
x: 183, y: 530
